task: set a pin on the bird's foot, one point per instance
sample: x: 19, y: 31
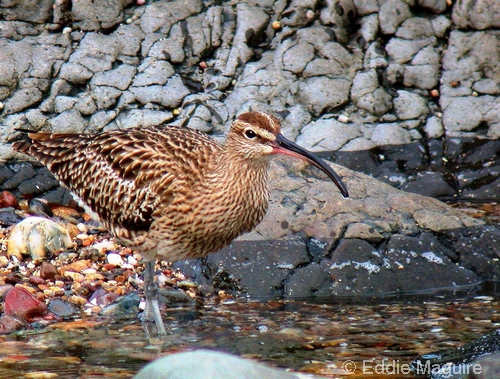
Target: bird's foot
x: 152, y: 321
x: 151, y: 318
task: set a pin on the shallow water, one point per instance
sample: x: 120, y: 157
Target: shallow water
x: 375, y: 338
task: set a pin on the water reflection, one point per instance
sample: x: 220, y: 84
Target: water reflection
x: 333, y: 339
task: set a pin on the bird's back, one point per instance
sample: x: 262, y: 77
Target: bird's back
x: 125, y: 176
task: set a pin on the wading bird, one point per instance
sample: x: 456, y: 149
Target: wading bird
x: 170, y: 192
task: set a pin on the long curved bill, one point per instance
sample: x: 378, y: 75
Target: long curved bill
x: 284, y: 146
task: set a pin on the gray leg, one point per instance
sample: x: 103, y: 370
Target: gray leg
x: 152, y: 310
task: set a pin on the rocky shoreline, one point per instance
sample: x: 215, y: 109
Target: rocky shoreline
x: 405, y: 92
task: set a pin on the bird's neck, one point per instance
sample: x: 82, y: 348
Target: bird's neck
x: 229, y: 166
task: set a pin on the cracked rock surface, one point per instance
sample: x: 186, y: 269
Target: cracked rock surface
x: 406, y: 91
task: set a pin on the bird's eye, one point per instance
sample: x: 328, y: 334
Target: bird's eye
x: 250, y: 134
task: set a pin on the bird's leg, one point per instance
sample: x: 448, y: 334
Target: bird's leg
x: 152, y: 309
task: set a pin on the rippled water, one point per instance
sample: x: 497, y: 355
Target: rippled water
x: 370, y: 336
x: 361, y: 338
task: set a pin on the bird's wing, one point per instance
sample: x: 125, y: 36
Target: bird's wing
x: 123, y: 175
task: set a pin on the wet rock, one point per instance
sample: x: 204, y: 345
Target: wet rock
x: 404, y: 266
x: 62, y: 308
x: 175, y: 297
x: 257, y: 268
x: 478, y: 250
x: 476, y: 359
x: 308, y: 282
x: 211, y: 365
x: 486, y: 367
x: 433, y: 184
x: 9, y: 324
x: 37, y: 237
x: 124, y: 307
x: 22, y: 304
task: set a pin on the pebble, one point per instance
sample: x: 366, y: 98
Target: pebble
x: 67, y: 30
x: 4, y: 261
x: 77, y: 300
x: 76, y: 276
x: 114, y: 259
x: 89, y: 271
x: 10, y: 324
x: 62, y: 308
x: 47, y: 271
x: 36, y: 280
x: 67, y: 256
x: 104, y: 246
x: 8, y: 200
x: 4, y: 289
x: 82, y: 227
x: 22, y: 304
x: 343, y: 118
x: 128, y: 305
x: 37, y: 237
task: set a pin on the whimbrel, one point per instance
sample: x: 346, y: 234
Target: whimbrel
x: 169, y: 192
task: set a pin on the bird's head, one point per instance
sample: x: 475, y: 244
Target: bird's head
x: 256, y: 136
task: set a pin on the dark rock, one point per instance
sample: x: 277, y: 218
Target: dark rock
x: 39, y: 207
x: 22, y: 172
x: 355, y: 270
x: 9, y: 218
x: 407, y: 264
x: 259, y: 268
x: 14, y: 278
x: 474, y: 360
x: 430, y: 183
x: 5, y: 173
x: 37, y: 185
x: 478, y: 249
x: 22, y: 304
x: 311, y: 281
x: 62, y: 308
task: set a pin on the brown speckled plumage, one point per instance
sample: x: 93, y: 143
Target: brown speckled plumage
x: 171, y: 192
x: 168, y: 190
